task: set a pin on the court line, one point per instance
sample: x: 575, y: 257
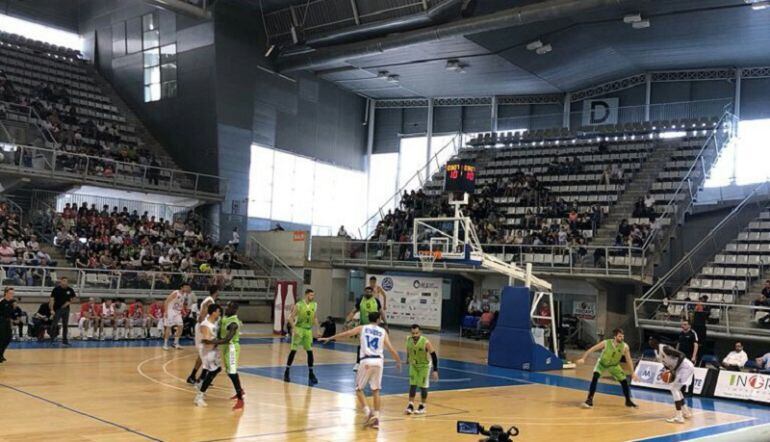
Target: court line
x: 404, y: 378
x: 82, y: 413
x: 709, y: 430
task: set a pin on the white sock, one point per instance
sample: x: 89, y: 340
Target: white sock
x: 376, y: 413
x: 367, y: 410
x: 165, y: 342
x: 679, y: 414
x: 176, y: 340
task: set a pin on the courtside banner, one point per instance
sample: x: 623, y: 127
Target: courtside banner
x: 412, y: 300
x: 649, y: 376
x: 749, y: 386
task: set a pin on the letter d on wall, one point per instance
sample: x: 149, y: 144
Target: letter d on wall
x: 600, y: 111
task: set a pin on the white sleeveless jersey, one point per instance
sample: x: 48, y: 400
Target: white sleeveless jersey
x: 372, y: 341
x: 177, y: 303
x: 208, y: 300
x: 668, y: 361
x: 213, y: 329
x: 108, y: 310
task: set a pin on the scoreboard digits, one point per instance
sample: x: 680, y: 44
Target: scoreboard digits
x: 460, y: 177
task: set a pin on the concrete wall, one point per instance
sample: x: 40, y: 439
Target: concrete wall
x: 331, y: 288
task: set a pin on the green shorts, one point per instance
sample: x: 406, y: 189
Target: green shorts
x: 419, y: 375
x: 615, y: 370
x: 302, y: 337
x: 230, y: 355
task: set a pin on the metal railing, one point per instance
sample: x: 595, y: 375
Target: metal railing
x: 271, y: 263
x: 571, y: 260
x: 39, y: 281
x: 29, y: 115
x: 100, y: 171
x: 726, y: 320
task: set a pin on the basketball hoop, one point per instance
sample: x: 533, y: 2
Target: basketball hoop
x: 428, y: 259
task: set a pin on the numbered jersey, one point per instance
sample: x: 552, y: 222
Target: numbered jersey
x: 372, y: 341
x: 177, y: 303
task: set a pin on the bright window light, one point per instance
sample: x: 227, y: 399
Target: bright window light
x: 40, y: 32
x: 669, y: 135
x: 413, y: 154
x: 745, y: 160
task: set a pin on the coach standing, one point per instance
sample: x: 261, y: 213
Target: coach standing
x: 6, y: 312
x: 688, y: 342
x: 61, y: 297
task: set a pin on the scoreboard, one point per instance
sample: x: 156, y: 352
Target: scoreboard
x: 460, y: 176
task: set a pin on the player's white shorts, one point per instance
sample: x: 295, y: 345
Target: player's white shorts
x: 682, y: 378
x: 137, y: 322
x: 172, y: 319
x: 209, y: 358
x: 370, y: 372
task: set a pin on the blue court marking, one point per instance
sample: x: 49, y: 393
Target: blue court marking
x: 155, y: 342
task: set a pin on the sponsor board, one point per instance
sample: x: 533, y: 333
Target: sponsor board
x: 584, y: 310
x: 649, y: 376
x: 748, y: 386
x: 412, y: 300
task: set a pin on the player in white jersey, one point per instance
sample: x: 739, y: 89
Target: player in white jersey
x: 681, y: 371
x: 210, y: 300
x: 175, y: 303
x: 374, y: 339
x: 207, y: 331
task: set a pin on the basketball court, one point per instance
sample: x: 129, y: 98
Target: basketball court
x: 116, y: 391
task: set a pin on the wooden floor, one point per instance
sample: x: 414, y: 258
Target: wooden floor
x: 138, y: 393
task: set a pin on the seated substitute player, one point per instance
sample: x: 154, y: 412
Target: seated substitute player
x: 679, y: 371
x: 89, y: 318
x: 156, y: 315
x: 417, y: 350
x: 138, y: 318
x: 107, y: 319
x: 302, y: 319
x: 229, y: 334
x: 364, y: 306
x: 121, y: 318
x: 208, y: 352
x: 612, y: 351
x: 373, y: 340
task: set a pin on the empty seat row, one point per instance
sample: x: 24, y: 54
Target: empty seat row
x: 718, y: 284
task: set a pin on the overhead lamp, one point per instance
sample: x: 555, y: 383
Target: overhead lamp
x: 382, y: 74
x: 759, y: 5
x: 537, y: 44
x: 269, y: 51
x: 393, y: 79
x: 641, y: 24
x: 543, y: 49
x: 632, y: 18
x: 455, y: 65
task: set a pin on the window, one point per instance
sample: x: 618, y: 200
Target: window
x: 292, y: 188
x: 40, y: 32
x: 150, y: 31
x: 382, y: 181
x: 160, y: 71
x: 744, y: 161
x: 412, y: 156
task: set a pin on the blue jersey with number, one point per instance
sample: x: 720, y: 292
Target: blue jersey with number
x: 372, y: 341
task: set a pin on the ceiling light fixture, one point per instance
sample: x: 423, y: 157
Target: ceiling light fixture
x: 537, y: 44
x: 454, y: 65
x: 393, y: 79
x: 543, y: 49
x: 382, y: 74
x: 632, y: 18
x: 758, y: 5
x: 641, y: 24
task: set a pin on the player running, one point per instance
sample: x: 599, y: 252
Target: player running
x: 373, y: 340
x: 364, y: 306
x: 208, y: 353
x: 612, y: 351
x: 210, y: 300
x: 417, y: 350
x: 302, y: 319
x: 175, y: 303
x: 680, y: 370
x: 229, y: 334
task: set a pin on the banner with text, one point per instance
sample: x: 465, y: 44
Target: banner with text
x: 600, y: 111
x: 412, y: 300
x: 749, y: 386
x: 649, y: 376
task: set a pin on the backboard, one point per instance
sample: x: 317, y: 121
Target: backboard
x: 450, y: 239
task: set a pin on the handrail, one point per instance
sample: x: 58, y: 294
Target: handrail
x: 417, y: 174
x: 708, y: 237
x: 673, y: 203
x: 99, y: 178
x: 275, y: 258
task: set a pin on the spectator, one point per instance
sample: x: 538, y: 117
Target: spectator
x: 475, y: 307
x: 18, y: 318
x: 41, y: 321
x: 329, y: 327
x: 763, y: 362
x: 688, y: 342
x: 342, y: 233
x: 486, y: 319
x: 736, y: 359
x: 236, y: 239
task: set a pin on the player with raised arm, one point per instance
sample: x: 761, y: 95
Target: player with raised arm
x: 208, y: 352
x: 364, y: 306
x: 302, y: 319
x: 211, y: 299
x: 678, y: 373
x: 613, y: 350
x: 229, y: 334
x: 173, y: 306
x: 373, y: 340
x: 418, y: 347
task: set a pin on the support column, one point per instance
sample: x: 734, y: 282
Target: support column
x: 494, y: 114
x: 371, y: 111
x: 737, y: 100
x: 647, y: 95
x: 429, y: 131
x: 567, y: 108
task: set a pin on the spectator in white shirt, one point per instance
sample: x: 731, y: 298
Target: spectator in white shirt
x: 649, y: 202
x: 474, y: 307
x: 736, y: 359
x: 764, y: 361
x: 33, y: 244
x: 236, y: 239
x: 18, y: 245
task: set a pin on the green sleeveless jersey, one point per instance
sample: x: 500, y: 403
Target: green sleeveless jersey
x: 306, y: 313
x: 367, y: 306
x: 225, y: 323
x: 612, y: 353
x: 417, y: 351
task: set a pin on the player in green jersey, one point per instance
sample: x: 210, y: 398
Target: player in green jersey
x: 417, y: 350
x: 230, y: 334
x: 364, y: 305
x: 302, y: 319
x: 613, y: 350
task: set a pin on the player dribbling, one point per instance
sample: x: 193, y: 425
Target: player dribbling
x: 680, y: 370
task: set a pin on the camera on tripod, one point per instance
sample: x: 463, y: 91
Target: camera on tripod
x: 494, y: 434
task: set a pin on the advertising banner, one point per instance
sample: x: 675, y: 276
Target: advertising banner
x: 412, y: 300
x: 584, y: 310
x: 748, y: 386
x: 600, y: 111
x: 649, y: 376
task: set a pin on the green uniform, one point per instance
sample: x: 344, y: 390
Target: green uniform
x: 231, y: 351
x: 366, y: 306
x: 419, y: 364
x: 609, y: 360
x: 303, y: 330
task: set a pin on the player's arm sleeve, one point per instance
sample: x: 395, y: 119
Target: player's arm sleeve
x: 434, y: 359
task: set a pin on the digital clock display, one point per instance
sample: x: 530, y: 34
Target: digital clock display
x: 460, y: 177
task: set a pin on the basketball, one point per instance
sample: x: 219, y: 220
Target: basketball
x: 666, y: 377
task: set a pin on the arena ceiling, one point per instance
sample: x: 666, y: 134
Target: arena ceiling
x: 588, y: 48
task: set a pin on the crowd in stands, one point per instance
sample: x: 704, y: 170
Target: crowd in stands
x: 20, y: 250
x: 61, y: 125
x: 634, y: 235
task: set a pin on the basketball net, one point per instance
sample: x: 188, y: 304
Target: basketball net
x: 428, y: 259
